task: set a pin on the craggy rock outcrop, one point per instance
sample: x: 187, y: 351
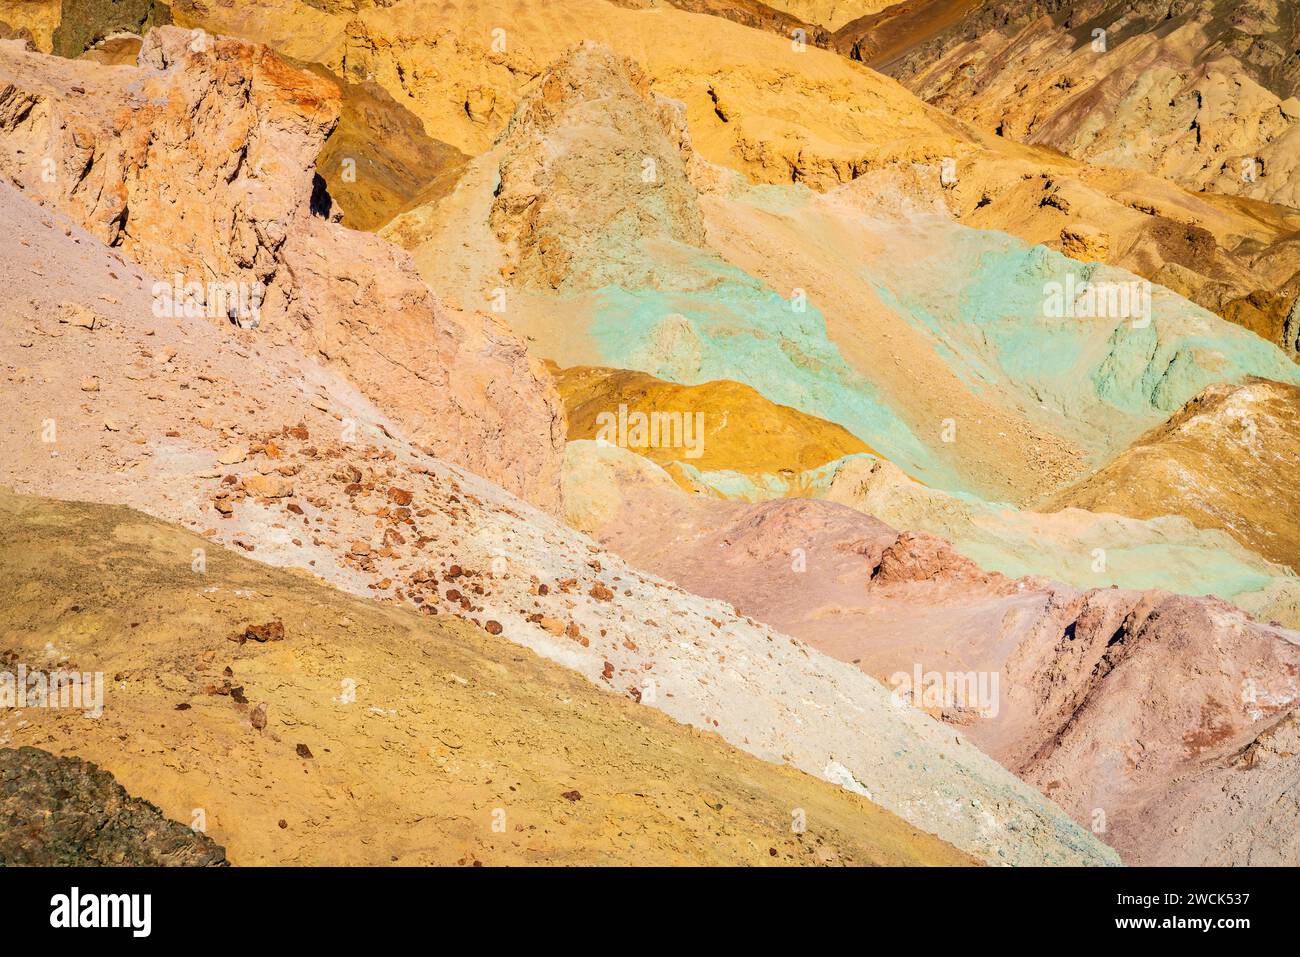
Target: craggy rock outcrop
x: 918, y: 557
x: 594, y: 165
x: 199, y: 164
x: 1199, y: 92
x: 63, y: 811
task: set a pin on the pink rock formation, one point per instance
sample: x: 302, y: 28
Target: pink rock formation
x: 1164, y: 723
x: 198, y: 164
x: 918, y: 557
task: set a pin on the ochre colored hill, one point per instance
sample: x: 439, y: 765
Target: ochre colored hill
x: 1229, y: 459
x: 742, y: 431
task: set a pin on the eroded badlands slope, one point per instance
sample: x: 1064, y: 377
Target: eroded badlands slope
x: 607, y: 240
x: 242, y: 435
x: 784, y: 112
x: 605, y: 226
x: 789, y: 112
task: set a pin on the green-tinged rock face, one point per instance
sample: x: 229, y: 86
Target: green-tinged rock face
x: 1092, y: 352
x: 1015, y: 324
x: 728, y: 325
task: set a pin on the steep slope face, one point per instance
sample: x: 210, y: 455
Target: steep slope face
x: 198, y: 165
x: 1239, y: 259
x: 717, y: 437
x: 267, y: 450
x: 1135, y: 710
x: 1034, y: 322
x: 361, y: 734
x: 1229, y: 459
x: 1202, y: 93
x: 61, y: 812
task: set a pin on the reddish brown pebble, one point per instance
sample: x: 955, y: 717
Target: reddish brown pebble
x: 271, y: 631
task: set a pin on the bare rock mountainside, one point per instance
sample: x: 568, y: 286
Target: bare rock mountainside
x: 1203, y: 93
x: 696, y: 432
